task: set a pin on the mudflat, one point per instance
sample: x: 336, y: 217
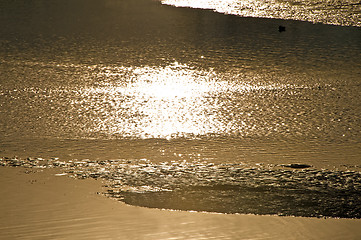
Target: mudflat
x: 43, y: 204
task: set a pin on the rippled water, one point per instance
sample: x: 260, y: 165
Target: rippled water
x: 132, y: 80
x: 337, y: 12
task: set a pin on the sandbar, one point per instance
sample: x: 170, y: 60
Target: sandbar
x: 43, y: 204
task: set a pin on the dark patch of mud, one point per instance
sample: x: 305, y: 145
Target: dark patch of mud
x: 223, y: 188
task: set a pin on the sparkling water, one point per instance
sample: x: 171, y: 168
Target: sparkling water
x: 141, y: 82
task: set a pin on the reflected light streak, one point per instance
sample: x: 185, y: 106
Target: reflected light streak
x: 345, y: 13
x: 160, y: 102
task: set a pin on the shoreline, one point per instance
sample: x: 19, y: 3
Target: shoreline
x: 278, y: 190
x: 37, y: 204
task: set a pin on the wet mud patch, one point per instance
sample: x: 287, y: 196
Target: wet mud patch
x: 251, y: 200
x: 224, y: 188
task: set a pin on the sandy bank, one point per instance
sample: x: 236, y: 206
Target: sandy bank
x: 36, y: 204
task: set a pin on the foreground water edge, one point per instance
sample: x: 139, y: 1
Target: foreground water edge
x: 280, y: 189
x: 38, y: 204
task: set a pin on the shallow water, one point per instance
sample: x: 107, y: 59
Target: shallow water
x: 74, y: 211
x: 262, y: 189
x: 135, y: 80
x: 336, y: 12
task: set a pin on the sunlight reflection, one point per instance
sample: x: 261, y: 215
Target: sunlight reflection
x: 346, y: 13
x: 158, y: 103
x: 162, y: 102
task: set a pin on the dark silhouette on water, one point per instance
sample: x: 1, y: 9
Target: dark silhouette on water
x: 296, y: 165
x: 281, y: 28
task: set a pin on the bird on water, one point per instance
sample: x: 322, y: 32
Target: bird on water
x: 281, y: 28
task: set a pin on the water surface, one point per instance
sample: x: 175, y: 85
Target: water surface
x: 336, y: 12
x: 138, y: 80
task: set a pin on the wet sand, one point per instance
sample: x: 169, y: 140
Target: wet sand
x: 37, y: 204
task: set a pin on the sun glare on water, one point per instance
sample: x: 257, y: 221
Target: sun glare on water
x: 157, y: 102
x: 162, y: 102
x: 345, y: 13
